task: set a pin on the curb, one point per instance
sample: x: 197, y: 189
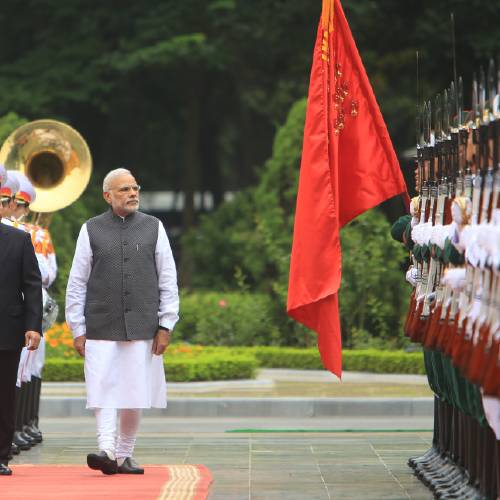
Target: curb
x: 58, y: 407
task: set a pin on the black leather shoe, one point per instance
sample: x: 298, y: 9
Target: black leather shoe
x: 101, y: 461
x: 21, y: 443
x: 28, y: 438
x: 32, y: 433
x: 130, y: 466
x: 5, y: 470
x: 14, y: 449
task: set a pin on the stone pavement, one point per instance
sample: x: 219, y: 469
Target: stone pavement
x: 265, y: 465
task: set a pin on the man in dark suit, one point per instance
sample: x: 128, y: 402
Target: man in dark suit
x: 20, y: 320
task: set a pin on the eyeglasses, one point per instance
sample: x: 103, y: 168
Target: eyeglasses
x: 128, y: 189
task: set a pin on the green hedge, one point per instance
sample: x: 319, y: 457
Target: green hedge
x: 225, y: 363
x: 226, y: 319
x: 63, y: 370
x: 210, y: 367
x: 384, y: 361
x: 366, y: 360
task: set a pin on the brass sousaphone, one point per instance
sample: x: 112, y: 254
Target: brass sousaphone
x: 54, y: 157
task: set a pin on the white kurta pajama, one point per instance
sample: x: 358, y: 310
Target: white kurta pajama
x: 122, y: 374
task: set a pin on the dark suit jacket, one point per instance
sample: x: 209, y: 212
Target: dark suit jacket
x: 20, y: 288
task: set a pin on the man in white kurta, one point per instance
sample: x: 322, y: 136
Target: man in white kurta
x: 121, y: 305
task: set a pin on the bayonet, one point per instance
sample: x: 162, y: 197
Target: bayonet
x: 482, y: 96
x: 446, y: 186
x: 478, y: 101
x: 475, y: 98
x: 446, y: 114
x: 491, y: 86
x: 454, y: 177
x: 424, y: 193
x: 460, y: 102
x: 453, y: 107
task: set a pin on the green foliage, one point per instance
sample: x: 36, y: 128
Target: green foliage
x: 287, y: 357
x: 185, y: 369
x: 9, y: 123
x: 373, y: 295
x: 148, y: 83
x: 230, y: 363
x: 375, y: 361
x: 367, y: 360
x: 162, y: 53
x: 212, y: 318
x: 63, y: 370
x: 211, y: 367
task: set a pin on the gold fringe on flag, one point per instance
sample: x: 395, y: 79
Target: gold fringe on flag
x: 327, y: 23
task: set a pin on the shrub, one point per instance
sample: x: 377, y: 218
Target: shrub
x: 384, y: 361
x: 183, y: 369
x: 236, y: 318
x: 210, y: 367
x: 63, y: 370
x: 282, y: 357
x: 367, y: 360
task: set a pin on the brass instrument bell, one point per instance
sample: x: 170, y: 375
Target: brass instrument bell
x: 54, y: 157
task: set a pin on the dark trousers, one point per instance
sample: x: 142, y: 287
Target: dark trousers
x: 9, y: 361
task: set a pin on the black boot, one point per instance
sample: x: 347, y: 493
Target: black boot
x: 20, y: 442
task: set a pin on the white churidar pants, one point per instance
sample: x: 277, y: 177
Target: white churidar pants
x: 106, y: 418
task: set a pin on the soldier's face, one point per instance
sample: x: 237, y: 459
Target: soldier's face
x: 7, y: 207
x: 21, y: 211
x: 123, y: 195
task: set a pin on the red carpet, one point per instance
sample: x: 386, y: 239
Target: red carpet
x: 77, y: 482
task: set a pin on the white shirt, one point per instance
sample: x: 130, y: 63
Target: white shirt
x: 76, y: 291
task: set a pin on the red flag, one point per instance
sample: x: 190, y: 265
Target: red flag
x: 348, y: 166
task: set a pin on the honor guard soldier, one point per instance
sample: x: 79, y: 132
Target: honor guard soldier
x: 454, y: 239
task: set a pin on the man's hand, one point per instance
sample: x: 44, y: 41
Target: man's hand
x: 79, y: 344
x: 160, y: 342
x: 32, y: 340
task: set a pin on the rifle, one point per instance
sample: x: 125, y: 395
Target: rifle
x: 475, y: 335
x: 458, y: 138
x: 423, y: 139
x: 429, y: 196
x: 444, y: 194
x: 420, y: 169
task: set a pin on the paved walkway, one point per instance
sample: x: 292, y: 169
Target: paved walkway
x: 258, y: 466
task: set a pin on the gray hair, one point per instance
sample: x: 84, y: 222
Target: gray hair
x: 112, y: 175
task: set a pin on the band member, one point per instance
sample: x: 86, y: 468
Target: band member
x: 121, y: 305
x: 8, y: 192
x: 31, y: 363
x: 20, y: 314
